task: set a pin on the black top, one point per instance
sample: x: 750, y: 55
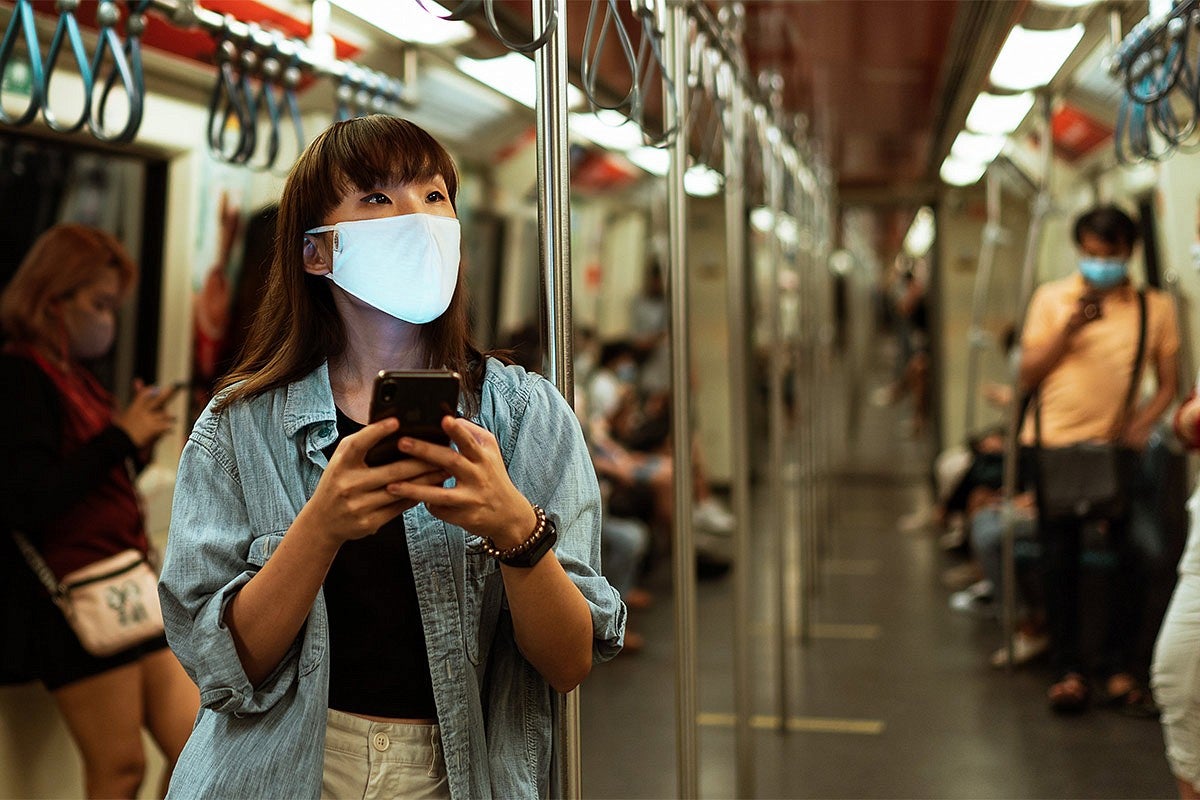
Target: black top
x: 46, y: 483
x: 378, y: 663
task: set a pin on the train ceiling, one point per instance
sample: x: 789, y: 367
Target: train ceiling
x: 882, y: 86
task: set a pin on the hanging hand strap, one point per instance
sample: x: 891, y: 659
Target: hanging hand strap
x: 1135, y: 379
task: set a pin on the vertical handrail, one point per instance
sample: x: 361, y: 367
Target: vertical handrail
x: 777, y: 423
x: 1041, y: 210
x: 983, y: 280
x: 554, y: 255
x: 684, y: 549
x: 739, y: 380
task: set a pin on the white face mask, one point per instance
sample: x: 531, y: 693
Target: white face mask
x: 406, y: 266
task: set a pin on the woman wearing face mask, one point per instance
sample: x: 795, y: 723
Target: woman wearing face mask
x: 1078, y: 351
x: 351, y: 627
x: 69, y: 491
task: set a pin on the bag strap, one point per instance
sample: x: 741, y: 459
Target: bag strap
x: 1134, y: 379
x: 38, y: 565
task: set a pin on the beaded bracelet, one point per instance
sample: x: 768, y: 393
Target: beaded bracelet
x: 490, y: 548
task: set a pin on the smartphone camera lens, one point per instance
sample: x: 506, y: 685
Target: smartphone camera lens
x: 388, y: 393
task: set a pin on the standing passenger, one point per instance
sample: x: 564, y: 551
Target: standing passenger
x: 1176, y: 674
x: 1078, y: 352
x: 69, y: 490
x: 350, y: 635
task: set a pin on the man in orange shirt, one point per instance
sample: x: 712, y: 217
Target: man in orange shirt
x: 1078, y: 350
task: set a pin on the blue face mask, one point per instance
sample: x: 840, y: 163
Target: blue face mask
x: 1103, y: 273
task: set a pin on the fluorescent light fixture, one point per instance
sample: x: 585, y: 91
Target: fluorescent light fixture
x: 1030, y: 58
x: 408, y: 22
x: 1068, y: 3
x: 512, y: 75
x: 957, y: 172
x: 999, y: 114
x: 762, y: 219
x: 702, y: 181
x: 841, y: 262
x: 977, y: 147
x: 611, y: 130
x: 654, y: 160
x: 920, y: 234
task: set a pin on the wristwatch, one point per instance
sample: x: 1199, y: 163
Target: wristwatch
x: 532, y: 555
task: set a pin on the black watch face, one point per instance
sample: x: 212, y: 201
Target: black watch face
x: 530, y: 557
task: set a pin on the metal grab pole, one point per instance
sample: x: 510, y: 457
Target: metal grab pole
x: 776, y: 427
x: 739, y: 380
x: 684, y: 549
x: 992, y: 236
x: 554, y: 252
x: 1041, y: 209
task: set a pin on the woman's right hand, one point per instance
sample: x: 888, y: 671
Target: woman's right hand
x: 351, y: 500
x: 145, y: 419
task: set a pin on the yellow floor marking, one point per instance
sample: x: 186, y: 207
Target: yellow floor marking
x: 852, y: 566
x: 869, y: 727
x: 823, y: 630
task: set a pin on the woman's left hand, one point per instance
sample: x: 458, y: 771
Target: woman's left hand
x: 483, y: 500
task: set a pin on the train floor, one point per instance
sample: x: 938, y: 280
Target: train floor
x: 891, y: 697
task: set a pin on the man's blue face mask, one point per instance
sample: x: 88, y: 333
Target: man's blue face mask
x: 1103, y: 273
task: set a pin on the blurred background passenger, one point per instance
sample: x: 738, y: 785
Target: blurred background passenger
x: 71, y: 493
x: 1079, y: 348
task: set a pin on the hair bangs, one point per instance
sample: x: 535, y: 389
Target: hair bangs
x: 379, y: 150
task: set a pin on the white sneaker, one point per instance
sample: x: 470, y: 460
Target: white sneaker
x: 975, y: 599
x: 1026, y: 647
x: 711, y: 515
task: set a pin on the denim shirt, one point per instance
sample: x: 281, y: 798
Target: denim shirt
x: 244, y: 475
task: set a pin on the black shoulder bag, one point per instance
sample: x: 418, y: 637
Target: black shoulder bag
x: 1091, y: 480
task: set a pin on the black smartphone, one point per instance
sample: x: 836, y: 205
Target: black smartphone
x: 419, y: 398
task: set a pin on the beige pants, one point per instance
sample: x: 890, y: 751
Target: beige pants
x: 365, y: 759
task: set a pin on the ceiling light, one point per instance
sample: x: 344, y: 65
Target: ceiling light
x: 654, y: 160
x: 762, y: 219
x: 609, y: 129
x: 513, y: 75
x: 1030, y: 58
x: 977, y: 147
x: 1066, y: 3
x: 408, y: 22
x: 957, y: 172
x: 702, y: 181
x: 920, y: 234
x: 999, y: 114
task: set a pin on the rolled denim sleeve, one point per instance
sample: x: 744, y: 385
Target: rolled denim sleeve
x: 551, y: 465
x: 211, y: 554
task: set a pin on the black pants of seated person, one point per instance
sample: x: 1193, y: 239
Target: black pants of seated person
x: 1062, y: 549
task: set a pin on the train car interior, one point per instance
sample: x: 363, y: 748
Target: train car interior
x: 790, y: 263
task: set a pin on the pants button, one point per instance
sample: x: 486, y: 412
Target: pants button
x: 381, y: 742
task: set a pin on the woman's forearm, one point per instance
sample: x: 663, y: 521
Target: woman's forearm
x: 266, y: 616
x: 552, y: 621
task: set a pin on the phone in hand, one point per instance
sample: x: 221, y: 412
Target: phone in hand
x: 419, y: 399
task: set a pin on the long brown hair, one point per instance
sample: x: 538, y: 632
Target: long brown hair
x: 63, y: 260
x: 297, y: 327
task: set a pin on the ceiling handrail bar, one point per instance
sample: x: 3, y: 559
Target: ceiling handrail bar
x: 67, y: 30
